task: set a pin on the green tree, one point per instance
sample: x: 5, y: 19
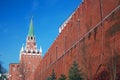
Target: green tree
x: 2, y: 72
x: 48, y: 78
x: 2, y: 69
x: 62, y: 77
x: 74, y: 72
x: 53, y: 75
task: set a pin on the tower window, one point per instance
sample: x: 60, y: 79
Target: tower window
x: 37, y: 52
x: 31, y: 38
x: 28, y: 51
x: 33, y: 51
x: 28, y: 38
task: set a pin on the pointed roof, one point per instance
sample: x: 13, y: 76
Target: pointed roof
x: 40, y: 49
x: 22, y: 49
x: 31, y: 29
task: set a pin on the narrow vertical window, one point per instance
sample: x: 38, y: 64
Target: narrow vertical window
x: 95, y: 33
x: 31, y: 38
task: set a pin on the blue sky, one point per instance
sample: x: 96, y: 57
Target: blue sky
x: 15, y: 16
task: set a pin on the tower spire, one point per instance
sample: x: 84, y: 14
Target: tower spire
x: 31, y: 29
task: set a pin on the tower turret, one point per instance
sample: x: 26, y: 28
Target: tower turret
x: 30, y: 56
x: 40, y: 50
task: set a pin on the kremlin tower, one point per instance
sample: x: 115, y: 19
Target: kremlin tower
x: 30, y: 57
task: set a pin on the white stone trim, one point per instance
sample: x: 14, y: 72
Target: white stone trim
x: 65, y: 23
x: 30, y: 54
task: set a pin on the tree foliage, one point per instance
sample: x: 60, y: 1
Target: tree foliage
x: 2, y: 72
x: 53, y: 75
x: 2, y: 69
x: 74, y: 72
x: 49, y: 78
x: 62, y: 77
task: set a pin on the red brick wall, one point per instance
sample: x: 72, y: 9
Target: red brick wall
x: 13, y: 72
x: 30, y: 63
x: 88, y: 41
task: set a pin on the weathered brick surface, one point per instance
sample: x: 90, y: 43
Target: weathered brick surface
x: 13, y: 71
x: 94, y: 45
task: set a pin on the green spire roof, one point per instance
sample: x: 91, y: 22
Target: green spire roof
x: 31, y: 29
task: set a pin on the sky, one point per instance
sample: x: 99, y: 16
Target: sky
x: 15, y: 15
